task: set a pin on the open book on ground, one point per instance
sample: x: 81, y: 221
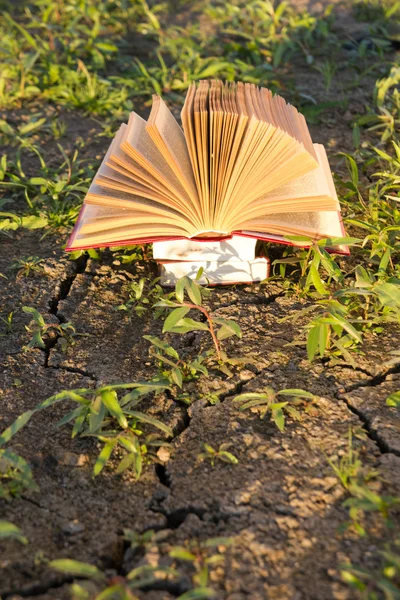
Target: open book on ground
x: 243, y: 164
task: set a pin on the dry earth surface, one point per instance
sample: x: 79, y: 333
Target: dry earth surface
x: 281, y: 503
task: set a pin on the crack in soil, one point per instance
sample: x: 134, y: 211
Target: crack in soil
x: 65, y: 286
x: 371, y: 432
x: 328, y: 367
x: 374, y: 381
x: 61, y: 294
x: 74, y: 370
x: 54, y: 512
x: 176, y: 518
x: 163, y: 476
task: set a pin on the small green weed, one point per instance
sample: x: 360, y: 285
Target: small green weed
x: 202, y: 555
x: 142, y: 294
x: 382, y: 583
x: 142, y: 541
x: 361, y: 484
x: 221, y: 454
x: 15, y: 475
x: 171, y: 365
x: 41, y: 331
x: 177, y: 322
x: 8, y: 321
x: 27, y: 266
x: 267, y: 403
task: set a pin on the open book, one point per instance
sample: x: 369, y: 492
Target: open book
x: 243, y: 164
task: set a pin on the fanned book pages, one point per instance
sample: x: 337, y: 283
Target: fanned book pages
x: 244, y: 164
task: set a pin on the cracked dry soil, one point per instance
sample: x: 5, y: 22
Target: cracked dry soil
x: 281, y: 503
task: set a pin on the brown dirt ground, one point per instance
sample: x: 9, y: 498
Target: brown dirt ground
x: 281, y: 503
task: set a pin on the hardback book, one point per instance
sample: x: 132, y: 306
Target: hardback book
x: 244, y: 164
x: 215, y: 272
x: 235, y: 249
x: 224, y: 262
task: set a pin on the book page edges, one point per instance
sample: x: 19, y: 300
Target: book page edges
x: 343, y: 250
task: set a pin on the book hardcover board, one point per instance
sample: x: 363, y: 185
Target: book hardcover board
x: 215, y: 272
x: 236, y: 248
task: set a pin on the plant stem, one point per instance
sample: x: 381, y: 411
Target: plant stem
x: 210, y: 325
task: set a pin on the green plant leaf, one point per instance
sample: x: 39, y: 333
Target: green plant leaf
x: 254, y: 403
x: 348, y: 327
x: 253, y: 396
x: 9, y: 530
x: 194, y: 292
x: 298, y: 393
x: 34, y: 222
x: 317, y: 281
x: 79, y: 421
x: 76, y: 568
x: 74, y: 395
x: 228, y: 329
x: 199, y: 274
x: 150, y: 420
x: 36, y: 316
x: 313, y: 341
x: 176, y: 375
x: 174, y: 317
x: 279, y: 418
x: 126, y: 463
x: 97, y: 414
x: 393, y: 400
x: 70, y: 416
x: 190, y: 325
x: 104, y: 456
x: 323, y: 339
x: 110, y: 401
x: 212, y: 70
x: 113, y: 592
x: 389, y: 294
x: 180, y: 289
x: 182, y: 554
x: 227, y: 457
x: 339, y: 241
x: 19, y: 422
x: 162, y: 345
